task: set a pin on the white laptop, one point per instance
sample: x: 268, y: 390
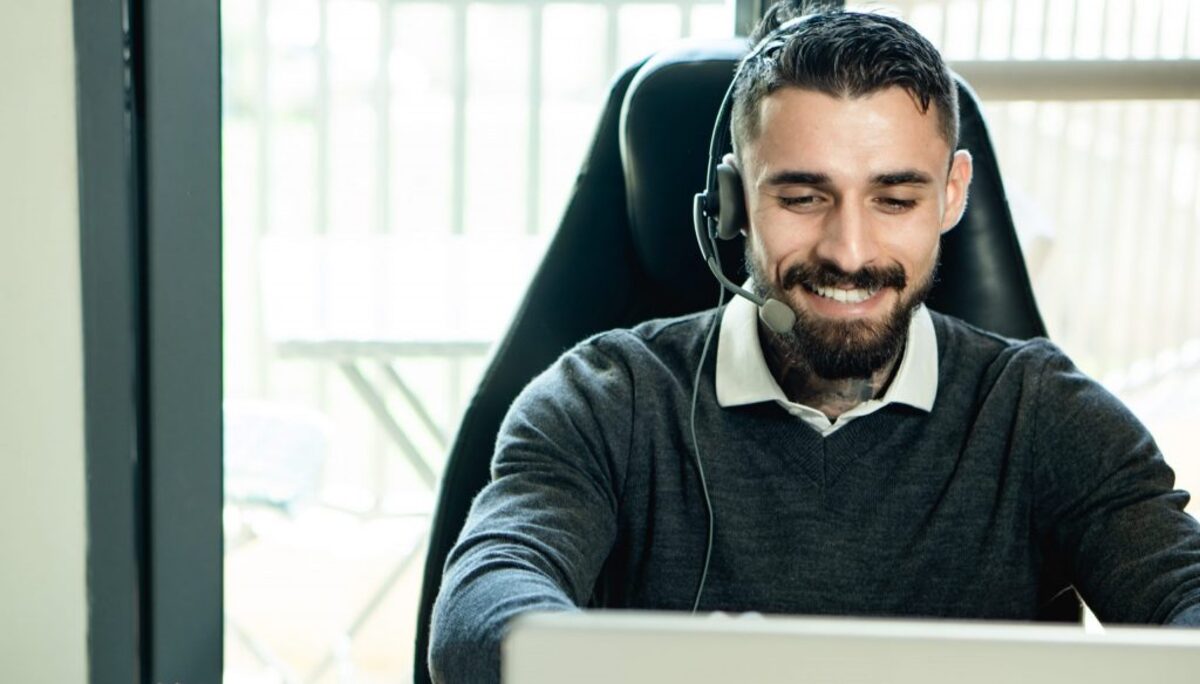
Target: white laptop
x: 633, y: 647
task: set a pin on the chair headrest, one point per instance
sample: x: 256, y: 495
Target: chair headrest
x: 666, y: 126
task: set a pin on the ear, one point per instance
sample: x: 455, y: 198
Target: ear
x: 957, y: 183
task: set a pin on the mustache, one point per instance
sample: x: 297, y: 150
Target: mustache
x: 827, y: 274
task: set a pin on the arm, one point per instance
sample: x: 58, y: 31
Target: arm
x: 539, y: 532
x: 1106, y: 498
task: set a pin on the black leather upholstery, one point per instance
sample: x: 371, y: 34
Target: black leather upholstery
x: 625, y: 252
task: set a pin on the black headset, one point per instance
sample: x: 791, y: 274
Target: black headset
x: 719, y: 212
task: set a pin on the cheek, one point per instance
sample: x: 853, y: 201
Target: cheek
x: 916, y: 250
x: 756, y: 250
x: 771, y: 247
x: 925, y: 258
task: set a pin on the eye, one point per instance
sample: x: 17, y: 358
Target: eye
x: 896, y: 205
x: 800, y: 201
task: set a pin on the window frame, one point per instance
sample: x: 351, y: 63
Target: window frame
x: 148, y: 118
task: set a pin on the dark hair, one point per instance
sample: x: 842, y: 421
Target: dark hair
x: 841, y: 54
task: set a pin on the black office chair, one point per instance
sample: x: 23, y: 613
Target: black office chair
x: 626, y: 252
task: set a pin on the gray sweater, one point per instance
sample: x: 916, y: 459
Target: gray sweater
x: 1025, y: 478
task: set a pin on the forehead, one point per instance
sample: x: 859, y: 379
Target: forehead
x: 808, y: 130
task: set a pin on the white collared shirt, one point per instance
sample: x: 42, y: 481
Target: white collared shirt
x: 744, y: 378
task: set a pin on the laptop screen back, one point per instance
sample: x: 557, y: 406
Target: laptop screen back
x: 632, y: 647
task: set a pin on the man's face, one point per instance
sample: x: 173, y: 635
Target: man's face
x: 847, y: 200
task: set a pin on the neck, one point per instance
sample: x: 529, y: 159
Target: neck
x: 831, y: 397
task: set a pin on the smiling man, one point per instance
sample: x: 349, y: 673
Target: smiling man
x: 873, y: 458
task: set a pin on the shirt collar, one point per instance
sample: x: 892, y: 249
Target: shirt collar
x: 743, y: 376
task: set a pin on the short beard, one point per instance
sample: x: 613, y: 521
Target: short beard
x: 836, y: 350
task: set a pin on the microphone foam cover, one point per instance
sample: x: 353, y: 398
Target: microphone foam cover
x: 777, y: 315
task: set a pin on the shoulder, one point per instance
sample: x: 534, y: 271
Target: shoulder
x: 659, y: 334
x: 665, y: 344
x: 608, y: 364
x: 1036, y: 373
x: 584, y: 403
x: 960, y: 343
x: 979, y: 368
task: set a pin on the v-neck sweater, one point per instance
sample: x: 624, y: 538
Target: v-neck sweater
x: 1025, y: 478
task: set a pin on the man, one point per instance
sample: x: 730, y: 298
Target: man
x: 875, y: 459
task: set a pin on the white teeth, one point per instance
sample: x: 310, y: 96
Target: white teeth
x: 846, y: 296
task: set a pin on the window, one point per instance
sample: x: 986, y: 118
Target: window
x: 393, y: 170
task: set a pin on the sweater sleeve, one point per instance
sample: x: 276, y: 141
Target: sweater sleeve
x: 539, y: 532
x: 1107, y: 502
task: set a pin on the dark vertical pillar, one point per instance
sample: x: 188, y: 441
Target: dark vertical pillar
x: 113, y: 360
x: 180, y: 143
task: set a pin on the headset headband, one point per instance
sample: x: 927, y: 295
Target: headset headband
x: 720, y: 139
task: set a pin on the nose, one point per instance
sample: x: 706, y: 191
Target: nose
x: 847, y: 239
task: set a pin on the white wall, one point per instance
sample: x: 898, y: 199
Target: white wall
x: 43, y: 609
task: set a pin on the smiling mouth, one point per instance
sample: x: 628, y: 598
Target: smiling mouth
x: 854, y: 296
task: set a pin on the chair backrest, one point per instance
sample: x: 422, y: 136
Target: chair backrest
x: 625, y: 252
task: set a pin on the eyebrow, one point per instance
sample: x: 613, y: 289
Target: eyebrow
x: 799, y: 178
x: 821, y: 180
x: 905, y: 177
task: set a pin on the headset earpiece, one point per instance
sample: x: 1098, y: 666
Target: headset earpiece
x: 719, y: 213
x: 723, y: 200
x: 732, y: 208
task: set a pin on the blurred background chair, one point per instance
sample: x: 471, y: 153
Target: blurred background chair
x: 275, y: 455
x: 625, y: 252
x: 273, y: 458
